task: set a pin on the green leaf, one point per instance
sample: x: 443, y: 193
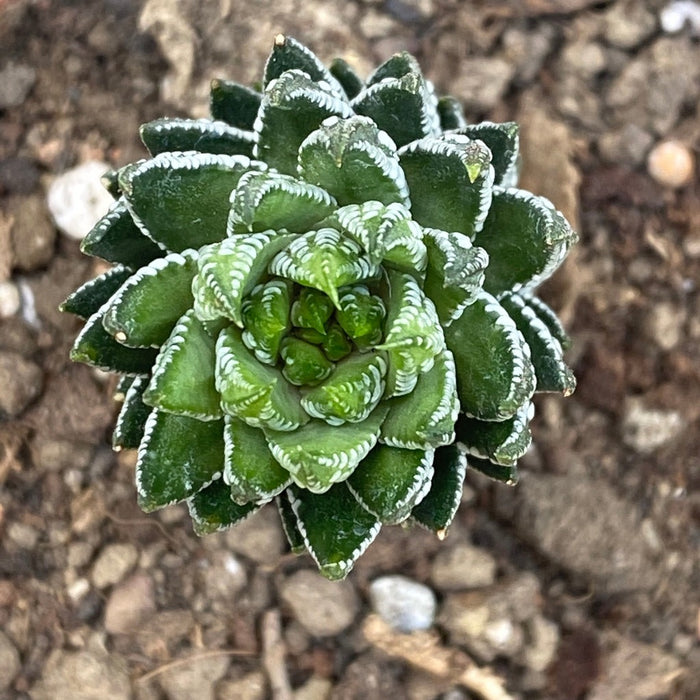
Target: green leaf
x: 312, y: 309
x: 292, y: 107
x: 324, y: 260
x: 181, y: 200
x: 499, y: 472
x: 526, y: 239
x: 117, y: 239
x: 503, y: 141
x: 425, y: 417
x: 202, y: 135
x: 387, y: 233
x: 346, y: 76
x: 548, y: 317
x: 131, y: 421
x: 94, y: 346
x: 450, y: 182
x: 110, y: 181
x: 350, y: 393
x: 234, y: 104
x: 437, y: 510
x: 389, y: 482
x: 451, y: 113
x: 304, y: 363
x: 212, y: 509
x: 547, y: 354
x: 229, y: 270
x: 147, y: 306
x: 335, y: 527
x: 254, y: 392
x: 319, y: 455
x: 503, y: 442
x: 183, y: 375
x: 354, y: 161
x: 288, y: 54
x: 361, y: 316
x: 122, y: 387
x: 455, y: 272
x: 178, y: 457
x: 270, y: 200
x: 409, y: 97
x: 495, y: 376
x: 289, y: 524
x: 265, y: 314
x: 250, y: 470
x: 413, y: 335
x: 336, y: 344
x: 87, y: 299
x: 396, y: 66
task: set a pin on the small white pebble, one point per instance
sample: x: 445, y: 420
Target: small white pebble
x: 9, y: 299
x: 78, y: 590
x: 77, y: 199
x: 677, y: 14
x: 671, y: 164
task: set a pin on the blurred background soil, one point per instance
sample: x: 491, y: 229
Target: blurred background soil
x: 581, y: 582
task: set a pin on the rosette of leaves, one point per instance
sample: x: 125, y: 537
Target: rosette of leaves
x: 324, y: 297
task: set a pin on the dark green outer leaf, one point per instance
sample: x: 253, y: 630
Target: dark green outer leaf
x: 202, y: 135
x: 117, y: 239
x: 177, y: 457
x: 234, y: 104
x: 451, y: 113
x: 131, y: 421
x: 289, y: 524
x: 346, y: 76
x: 335, y: 527
x: 506, y: 474
x: 87, y: 299
x: 549, y: 318
x: 503, y: 142
x: 212, y: 509
x: 437, y: 510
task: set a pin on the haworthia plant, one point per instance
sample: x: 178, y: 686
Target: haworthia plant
x: 324, y: 297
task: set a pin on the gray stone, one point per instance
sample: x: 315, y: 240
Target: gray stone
x: 404, y: 604
x: 527, y: 49
x: 570, y: 520
x: 129, y: 604
x: 252, y: 686
x: 664, y: 324
x: 316, y: 688
x: 323, y: 607
x: 260, y: 537
x: 481, y: 82
x: 113, y: 564
x: 10, y: 663
x: 628, y: 23
x: 21, y: 381
x: 542, y: 639
x: 627, y: 145
x: 9, y: 299
x: 368, y: 677
x: 195, y: 679
x: 223, y: 576
x: 463, y: 566
x: 77, y: 199
x: 33, y: 233
x: 90, y: 674
x: 645, y: 429
x: 56, y: 455
x: 634, y: 670
x: 16, y: 80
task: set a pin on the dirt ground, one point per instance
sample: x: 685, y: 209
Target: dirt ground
x: 580, y: 582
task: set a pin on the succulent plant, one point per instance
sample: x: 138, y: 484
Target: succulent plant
x: 324, y: 296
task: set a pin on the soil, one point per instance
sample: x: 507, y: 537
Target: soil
x: 588, y: 580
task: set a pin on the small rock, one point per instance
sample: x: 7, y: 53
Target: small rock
x: 224, y: 576
x: 56, y: 455
x: 369, y: 677
x: 542, y: 639
x: 644, y: 429
x: 316, y: 688
x: 77, y: 199
x: 404, y: 604
x: 21, y: 381
x: 79, y: 554
x: 527, y: 49
x: 627, y: 145
x: 585, y: 59
x: 129, y: 604
x: 481, y: 82
x: 260, y: 537
x: 78, y: 590
x: 664, y: 324
x: 113, y: 563
x: 33, y: 233
x: 9, y: 299
x: 24, y: 536
x: 671, y: 164
x: 323, y: 607
x: 679, y: 14
x: 634, y: 670
x: 87, y: 511
x: 195, y: 679
x: 18, y: 175
x: 164, y: 632
x: 16, y: 80
x: 9, y: 662
x: 251, y: 687
x: 91, y: 674
x: 463, y: 566
x: 627, y: 24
